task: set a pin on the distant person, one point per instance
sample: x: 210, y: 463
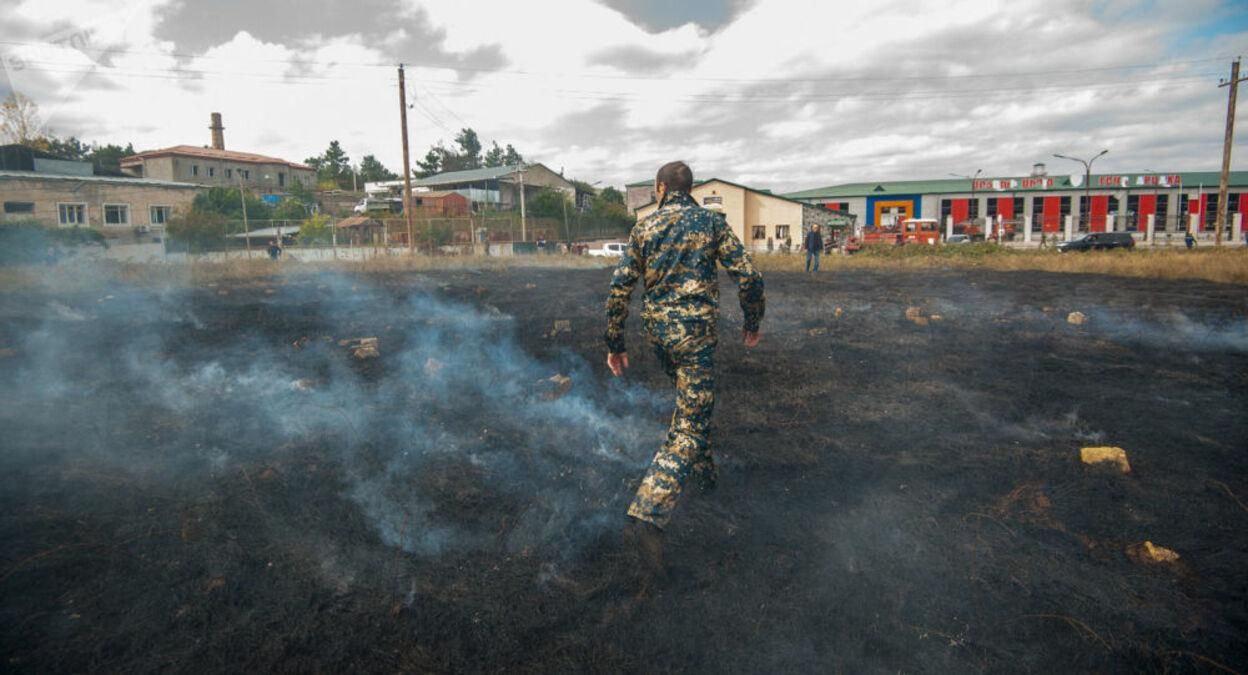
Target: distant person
x: 675, y: 252
x: 771, y: 244
x: 814, y: 247
x: 788, y: 244
x: 1044, y: 239
x: 275, y: 250
x: 1189, y: 239
x: 541, y: 245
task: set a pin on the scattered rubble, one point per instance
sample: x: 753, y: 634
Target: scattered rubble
x: 561, y: 326
x: 1076, y: 318
x: 915, y: 314
x: 1110, y: 455
x: 1147, y: 552
x: 816, y: 332
x: 838, y: 312
x: 555, y: 387
x: 361, y: 348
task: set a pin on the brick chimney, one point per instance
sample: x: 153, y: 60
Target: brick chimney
x: 218, y: 132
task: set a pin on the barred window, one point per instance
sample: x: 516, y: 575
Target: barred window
x: 760, y: 231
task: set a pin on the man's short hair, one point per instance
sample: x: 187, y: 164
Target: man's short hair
x: 677, y: 176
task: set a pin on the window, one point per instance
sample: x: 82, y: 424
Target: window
x: 782, y: 231
x: 992, y: 208
x: 72, y: 214
x: 194, y: 169
x: 973, y: 211
x: 158, y: 215
x: 1018, y: 208
x: 19, y: 207
x: 246, y: 173
x: 116, y: 214
x: 946, y: 209
x: 1065, y: 206
x: 229, y: 173
x: 212, y: 171
x: 716, y: 199
x: 1037, y: 207
x: 760, y: 231
x: 281, y: 179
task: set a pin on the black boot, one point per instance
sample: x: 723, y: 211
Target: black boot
x: 645, y: 542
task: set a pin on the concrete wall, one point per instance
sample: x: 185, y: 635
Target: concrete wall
x: 744, y: 209
x: 637, y: 196
x: 48, y: 193
x: 265, y: 178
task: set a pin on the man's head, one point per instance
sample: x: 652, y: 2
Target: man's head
x: 815, y: 227
x: 673, y: 177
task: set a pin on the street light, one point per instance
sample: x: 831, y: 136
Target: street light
x: 1087, y: 181
x: 972, y: 179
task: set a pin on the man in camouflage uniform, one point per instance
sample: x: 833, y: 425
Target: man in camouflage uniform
x: 675, y: 250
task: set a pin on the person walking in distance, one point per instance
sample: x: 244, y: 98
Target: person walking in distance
x: 814, y: 246
x: 675, y: 251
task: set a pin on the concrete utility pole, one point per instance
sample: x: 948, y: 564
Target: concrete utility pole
x: 524, y: 235
x: 1233, y: 84
x: 1087, y: 182
x: 407, y: 166
x: 243, y: 199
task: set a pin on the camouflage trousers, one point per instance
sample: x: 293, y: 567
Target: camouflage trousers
x: 687, y: 356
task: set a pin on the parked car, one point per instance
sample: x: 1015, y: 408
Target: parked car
x: 958, y: 239
x: 1098, y: 240
x: 609, y: 250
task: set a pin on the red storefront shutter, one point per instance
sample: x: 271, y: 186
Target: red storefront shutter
x: 1147, y: 207
x: 960, y: 209
x: 1052, y: 214
x: 1100, y: 209
x: 1005, y: 207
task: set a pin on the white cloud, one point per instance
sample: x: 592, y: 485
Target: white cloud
x: 792, y: 94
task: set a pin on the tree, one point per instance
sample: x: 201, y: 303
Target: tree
x: 70, y: 148
x: 469, y: 155
x: 432, y: 163
x: 107, y: 158
x: 197, y: 230
x: 610, y: 195
x: 332, y: 166
x: 511, y: 157
x: 372, y: 170
x: 225, y: 202
x: 288, y: 209
x: 495, y: 156
x: 317, y: 229
x: 19, y: 119
x: 547, y: 204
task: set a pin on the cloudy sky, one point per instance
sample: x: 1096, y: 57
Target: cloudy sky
x: 780, y: 94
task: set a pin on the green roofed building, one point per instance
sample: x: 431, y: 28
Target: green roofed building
x: 1177, y: 201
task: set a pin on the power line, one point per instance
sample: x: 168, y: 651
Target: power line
x: 675, y: 78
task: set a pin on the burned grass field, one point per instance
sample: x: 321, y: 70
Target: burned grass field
x: 239, y: 477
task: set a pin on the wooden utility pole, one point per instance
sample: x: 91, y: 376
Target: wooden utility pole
x: 1233, y: 83
x: 407, y: 166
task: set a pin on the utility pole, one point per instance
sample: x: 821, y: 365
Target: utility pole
x: 1233, y: 84
x: 246, y: 229
x: 1087, y: 183
x: 407, y: 167
x: 524, y: 236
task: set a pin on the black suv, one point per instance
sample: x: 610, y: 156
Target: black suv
x: 1098, y: 240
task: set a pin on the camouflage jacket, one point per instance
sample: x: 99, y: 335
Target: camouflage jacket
x: 676, y: 249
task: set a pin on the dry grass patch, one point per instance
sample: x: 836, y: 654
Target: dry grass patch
x: 1226, y: 265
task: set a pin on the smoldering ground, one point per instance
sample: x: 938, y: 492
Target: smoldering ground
x: 206, y: 479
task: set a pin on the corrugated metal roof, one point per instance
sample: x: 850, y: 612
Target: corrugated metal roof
x: 468, y: 176
x: 1189, y: 180
x: 31, y: 175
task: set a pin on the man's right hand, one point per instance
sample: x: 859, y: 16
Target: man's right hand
x: 751, y: 338
x: 618, y: 363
